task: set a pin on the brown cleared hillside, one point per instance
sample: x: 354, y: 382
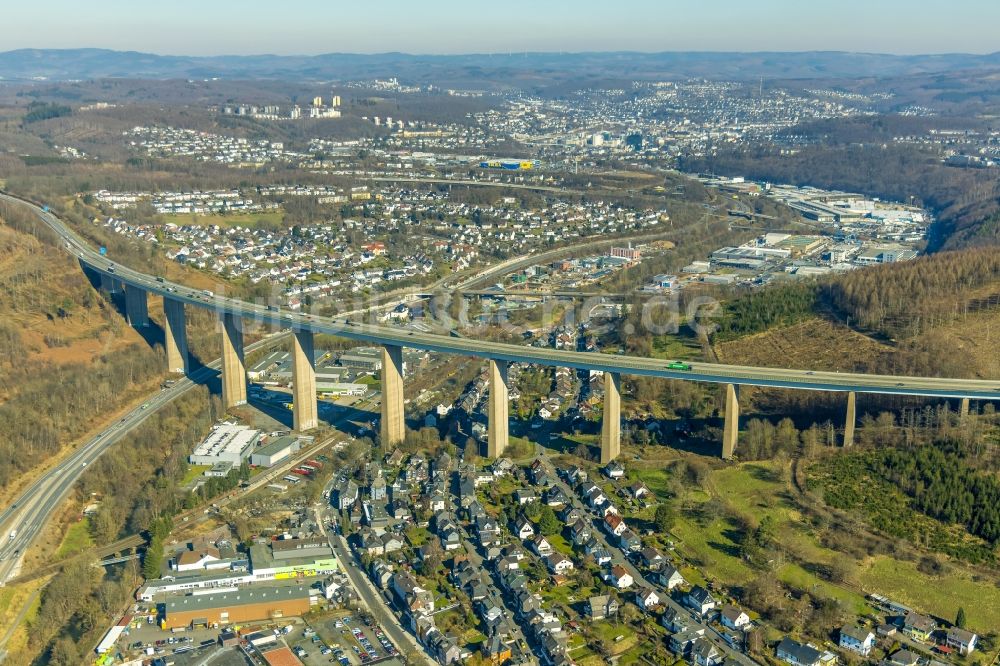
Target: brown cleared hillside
x: 815, y: 344
x: 68, y: 360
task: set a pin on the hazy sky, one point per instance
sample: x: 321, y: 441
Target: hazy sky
x: 213, y: 27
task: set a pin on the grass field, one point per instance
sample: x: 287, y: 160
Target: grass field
x: 12, y: 601
x: 193, y: 472
x: 229, y: 219
x: 939, y: 595
x: 618, y: 637
x: 761, y: 489
x: 671, y: 347
x: 712, y: 550
x: 417, y: 536
x: 656, y: 479
x: 77, y: 539
x: 795, y: 575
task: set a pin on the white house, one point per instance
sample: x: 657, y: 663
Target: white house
x: 670, y: 577
x: 857, y: 639
x: 647, y: 599
x: 620, y: 578
x: 558, y: 563
x: 524, y: 529
x: 541, y: 546
x: 733, y: 617
x: 962, y: 640
x: 699, y: 599
x: 614, y: 470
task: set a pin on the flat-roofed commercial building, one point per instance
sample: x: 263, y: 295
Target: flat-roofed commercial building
x: 340, y: 389
x: 264, y: 602
x: 292, y: 558
x: 367, y: 359
x: 261, y: 368
x: 189, y: 581
x: 227, y: 442
x: 274, y: 452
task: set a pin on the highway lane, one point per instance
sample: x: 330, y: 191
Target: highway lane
x: 375, y: 334
x: 24, y: 520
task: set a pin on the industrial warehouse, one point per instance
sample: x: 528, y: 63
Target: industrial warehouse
x: 228, y: 443
x: 235, y: 606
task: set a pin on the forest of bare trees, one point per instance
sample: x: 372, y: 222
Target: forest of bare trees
x: 902, y: 300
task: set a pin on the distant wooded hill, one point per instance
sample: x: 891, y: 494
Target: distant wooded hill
x: 487, y: 70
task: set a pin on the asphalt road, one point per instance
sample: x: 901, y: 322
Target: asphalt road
x: 373, y: 601
x: 24, y: 520
x: 629, y: 365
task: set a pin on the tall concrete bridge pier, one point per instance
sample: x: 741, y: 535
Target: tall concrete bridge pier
x: 499, y: 355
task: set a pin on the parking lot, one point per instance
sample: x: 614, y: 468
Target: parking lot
x: 182, y: 647
x: 350, y: 641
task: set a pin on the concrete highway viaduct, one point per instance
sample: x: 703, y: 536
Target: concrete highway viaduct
x: 232, y: 313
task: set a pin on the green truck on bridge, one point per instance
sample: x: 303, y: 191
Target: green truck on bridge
x: 677, y: 365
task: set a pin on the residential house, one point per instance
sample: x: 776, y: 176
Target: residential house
x: 413, y: 597
x: 502, y: 467
x: 558, y: 563
x: 734, y: 618
x: 346, y: 494
x: 525, y: 496
x: 704, y: 653
x: 523, y: 528
x: 608, y: 508
x: 651, y: 558
x: 370, y: 542
x: 857, y: 639
x: 638, y: 490
x: 575, y: 475
x: 539, y: 475
x: 797, y: 654
x: 555, y: 496
x: 476, y: 590
x: 629, y: 541
x: 391, y: 543
x: 495, y: 651
x: 571, y: 515
x: 444, y: 649
x: 541, y: 546
x: 487, y: 530
x: 526, y: 603
x: 601, y: 606
x: 681, y: 642
x: 647, y: 599
x: 594, y: 549
x: 902, y: 658
x: 699, y: 600
x: 614, y: 470
x: 381, y: 574
x: 918, y: 627
x: 451, y: 538
x: 961, y: 640
x: 669, y: 577
x: 620, y: 577
x: 614, y: 524
x: 675, y: 620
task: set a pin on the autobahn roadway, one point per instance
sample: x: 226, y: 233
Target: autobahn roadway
x: 629, y: 365
x: 24, y: 520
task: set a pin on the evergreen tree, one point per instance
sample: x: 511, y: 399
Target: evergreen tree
x: 664, y: 518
